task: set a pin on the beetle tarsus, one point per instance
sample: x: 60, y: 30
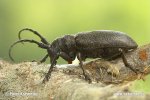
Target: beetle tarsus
x: 46, y: 78
x: 44, y: 59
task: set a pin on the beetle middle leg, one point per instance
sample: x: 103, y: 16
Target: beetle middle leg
x: 114, y: 56
x: 81, y: 65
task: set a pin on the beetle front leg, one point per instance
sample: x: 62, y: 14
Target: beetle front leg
x: 66, y: 57
x: 81, y: 65
x: 47, y: 76
x: 125, y: 60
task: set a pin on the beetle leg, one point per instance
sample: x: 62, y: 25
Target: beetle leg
x: 114, y: 56
x: 66, y: 57
x: 35, y: 32
x: 81, y: 65
x: 125, y: 60
x: 53, y: 63
x: 44, y: 59
x: 41, y: 45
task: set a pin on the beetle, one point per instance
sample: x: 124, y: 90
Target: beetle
x: 105, y: 44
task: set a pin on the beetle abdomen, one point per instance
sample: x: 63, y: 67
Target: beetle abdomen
x: 103, y: 39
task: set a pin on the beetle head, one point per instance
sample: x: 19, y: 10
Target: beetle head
x: 65, y: 44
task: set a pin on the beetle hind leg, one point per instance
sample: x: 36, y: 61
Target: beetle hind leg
x: 125, y: 61
x: 114, y: 57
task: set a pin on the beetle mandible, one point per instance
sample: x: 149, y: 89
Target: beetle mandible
x: 106, y: 44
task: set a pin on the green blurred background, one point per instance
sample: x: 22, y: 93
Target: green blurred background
x: 55, y: 18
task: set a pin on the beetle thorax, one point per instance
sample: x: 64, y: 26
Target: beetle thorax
x: 65, y: 44
x: 69, y: 43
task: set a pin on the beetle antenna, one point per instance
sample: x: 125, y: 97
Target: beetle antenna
x: 35, y: 32
x: 41, y: 45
